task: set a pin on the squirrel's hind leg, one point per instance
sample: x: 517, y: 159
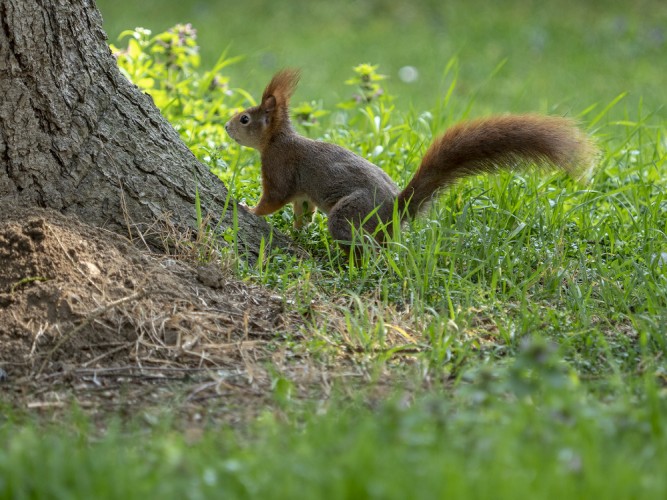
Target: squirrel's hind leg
x: 303, y: 212
x: 351, y: 217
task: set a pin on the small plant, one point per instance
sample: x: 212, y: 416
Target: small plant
x: 307, y: 114
x: 366, y: 80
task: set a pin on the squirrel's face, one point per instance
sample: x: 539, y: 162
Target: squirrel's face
x: 247, y: 127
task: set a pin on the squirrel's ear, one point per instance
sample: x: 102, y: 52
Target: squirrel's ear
x: 269, y: 104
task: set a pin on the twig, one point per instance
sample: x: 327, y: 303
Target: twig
x: 124, y: 371
x: 39, y: 333
x: 104, y: 355
x: 129, y: 368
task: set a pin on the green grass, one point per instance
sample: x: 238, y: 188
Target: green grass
x: 527, y: 429
x: 555, y: 56
x: 521, y: 324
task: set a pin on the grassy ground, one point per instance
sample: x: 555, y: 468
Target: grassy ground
x: 521, y: 323
x: 483, y: 441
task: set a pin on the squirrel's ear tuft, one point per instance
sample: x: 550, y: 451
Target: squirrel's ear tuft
x: 281, y: 87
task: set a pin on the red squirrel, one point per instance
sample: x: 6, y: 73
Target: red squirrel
x: 354, y: 192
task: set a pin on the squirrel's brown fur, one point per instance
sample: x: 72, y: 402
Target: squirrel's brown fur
x: 353, y: 191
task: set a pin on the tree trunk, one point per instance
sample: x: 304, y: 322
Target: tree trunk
x: 77, y: 137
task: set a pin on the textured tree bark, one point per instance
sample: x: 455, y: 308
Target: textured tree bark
x: 77, y: 137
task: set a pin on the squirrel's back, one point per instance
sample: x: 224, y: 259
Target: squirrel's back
x: 327, y: 172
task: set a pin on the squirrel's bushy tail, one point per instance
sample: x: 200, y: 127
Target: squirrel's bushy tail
x: 497, y: 143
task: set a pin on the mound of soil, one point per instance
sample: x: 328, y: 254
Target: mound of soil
x: 78, y: 303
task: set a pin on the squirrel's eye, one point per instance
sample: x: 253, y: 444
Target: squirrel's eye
x: 245, y: 119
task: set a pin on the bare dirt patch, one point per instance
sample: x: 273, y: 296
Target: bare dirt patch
x: 86, y: 317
